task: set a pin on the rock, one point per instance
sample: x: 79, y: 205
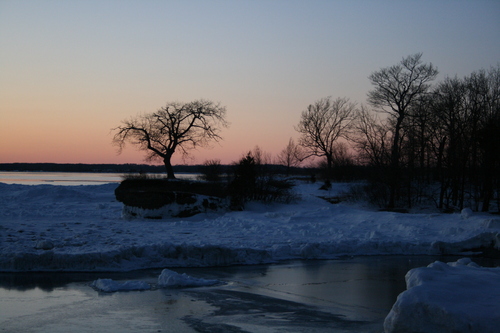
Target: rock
x: 158, y: 198
x: 466, y: 213
x: 44, y: 245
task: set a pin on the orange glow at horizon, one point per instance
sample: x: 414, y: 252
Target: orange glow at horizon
x: 73, y: 70
x: 47, y: 141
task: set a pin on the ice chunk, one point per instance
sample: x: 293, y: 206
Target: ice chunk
x: 453, y: 297
x: 170, y: 278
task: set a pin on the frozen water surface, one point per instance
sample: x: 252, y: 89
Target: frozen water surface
x: 349, y: 295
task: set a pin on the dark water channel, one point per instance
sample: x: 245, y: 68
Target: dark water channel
x: 347, y: 295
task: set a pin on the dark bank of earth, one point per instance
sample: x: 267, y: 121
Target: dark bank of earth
x: 157, y: 198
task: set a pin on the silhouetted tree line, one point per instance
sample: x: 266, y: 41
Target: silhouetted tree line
x: 415, y: 143
x: 443, y: 146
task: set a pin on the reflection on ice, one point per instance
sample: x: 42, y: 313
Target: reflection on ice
x: 353, y: 294
x: 109, y: 285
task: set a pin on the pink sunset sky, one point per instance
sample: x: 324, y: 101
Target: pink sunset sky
x: 72, y: 70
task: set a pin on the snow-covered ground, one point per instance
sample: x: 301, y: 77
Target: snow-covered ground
x: 80, y: 228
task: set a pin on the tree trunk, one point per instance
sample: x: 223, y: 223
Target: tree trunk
x: 441, y: 174
x: 329, y: 166
x: 488, y: 180
x: 168, y: 167
x: 394, y: 177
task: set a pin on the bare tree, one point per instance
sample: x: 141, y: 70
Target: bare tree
x: 291, y: 156
x: 322, y: 124
x: 261, y: 157
x: 176, y: 126
x: 396, y: 88
x: 373, y: 138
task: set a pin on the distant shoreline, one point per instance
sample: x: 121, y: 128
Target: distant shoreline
x: 101, y: 168
x: 131, y: 168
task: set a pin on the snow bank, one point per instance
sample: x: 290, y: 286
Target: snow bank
x: 173, y: 279
x: 454, y: 297
x: 108, y: 285
x: 80, y: 228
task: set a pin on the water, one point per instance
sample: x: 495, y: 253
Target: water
x: 348, y: 295
x: 68, y: 178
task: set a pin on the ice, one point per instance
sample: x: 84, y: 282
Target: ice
x: 167, y: 279
x: 454, y: 297
x: 173, y: 279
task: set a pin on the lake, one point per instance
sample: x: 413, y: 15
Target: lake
x: 353, y: 294
x: 69, y: 178
x: 346, y: 295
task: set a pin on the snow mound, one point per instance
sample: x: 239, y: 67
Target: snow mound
x: 109, y: 285
x: 454, y: 297
x: 41, y: 192
x: 173, y: 279
x: 492, y: 224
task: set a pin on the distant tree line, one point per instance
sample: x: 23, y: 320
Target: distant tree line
x: 445, y: 145
x: 417, y: 143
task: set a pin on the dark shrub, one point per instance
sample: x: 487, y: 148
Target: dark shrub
x: 253, y: 181
x: 212, y: 171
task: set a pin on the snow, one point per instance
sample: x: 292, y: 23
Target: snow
x: 81, y: 228
x: 454, y: 297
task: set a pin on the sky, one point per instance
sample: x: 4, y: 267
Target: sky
x: 70, y: 71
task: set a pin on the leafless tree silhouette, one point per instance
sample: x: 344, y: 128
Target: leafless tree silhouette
x: 291, y: 156
x: 322, y: 124
x: 396, y: 89
x: 176, y: 126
